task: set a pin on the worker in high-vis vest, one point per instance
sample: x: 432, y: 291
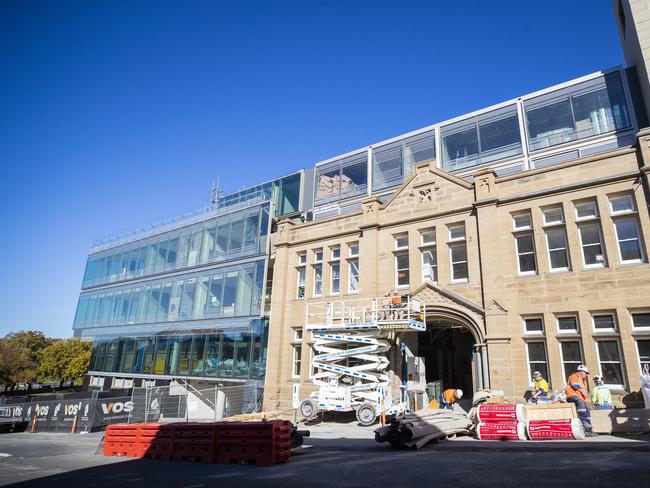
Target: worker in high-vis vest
x: 449, y: 397
x: 601, y: 398
x: 576, y: 393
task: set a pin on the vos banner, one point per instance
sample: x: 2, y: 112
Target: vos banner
x: 91, y: 414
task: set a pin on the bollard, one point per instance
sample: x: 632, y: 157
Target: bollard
x: 383, y: 413
x: 34, y: 423
x: 74, y: 425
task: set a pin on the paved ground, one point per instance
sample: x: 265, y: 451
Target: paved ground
x: 342, y: 455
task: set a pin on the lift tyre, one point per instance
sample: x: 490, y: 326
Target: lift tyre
x: 308, y: 408
x: 366, y: 414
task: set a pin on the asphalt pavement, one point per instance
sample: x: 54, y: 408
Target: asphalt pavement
x: 342, y: 455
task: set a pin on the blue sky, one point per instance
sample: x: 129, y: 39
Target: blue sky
x: 117, y: 114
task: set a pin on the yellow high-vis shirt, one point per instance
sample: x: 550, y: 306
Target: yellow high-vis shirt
x: 541, y: 385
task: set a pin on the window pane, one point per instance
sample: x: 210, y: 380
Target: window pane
x: 417, y: 149
x: 336, y: 271
x: 536, y: 351
x: 553, y: 215
x: 626, y: 229
x: 328, y: 181
x: 534, y: 325
x: 525, y: 244
x: 457, y: 232
x: 641, y: 319
x: 460, y: 271
x: 354, y: 177
x: 460, y: 145
x: 550, y: 122
x: 604, y: 322
x: 459, y: 253
x: 236, y: 230
x: 644, y: 352
x: 401, y: 241
x: 230, y: 293
x: 387, y: 166
x: 571, y: 352
x: 608, y: 351
x: 567, y: 323
x: 586, y: 209
x: 428, y: 236
x: 602, y: 109
x: 522, y: 221
x: 622, y: 204
x: 499, y: 134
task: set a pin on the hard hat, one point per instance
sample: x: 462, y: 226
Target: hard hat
x: 598, y: 378
x: 582, y: 367
x: 536, y: 373
x: 459, y: 394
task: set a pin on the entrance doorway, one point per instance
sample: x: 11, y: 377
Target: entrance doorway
x: 447, y: 351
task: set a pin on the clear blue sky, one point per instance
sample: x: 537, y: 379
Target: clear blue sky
x: 116, y: 114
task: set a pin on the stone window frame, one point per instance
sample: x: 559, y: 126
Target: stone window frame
x: 455, y: 242
x: 520, y: 231
x: 632, y: 214
x: 562, y: 315
x: 296, y: 351
x: 316, y: 282
x: 592, y: 219
x: 602, y: 313
x: 534, y: 334
x: 536, y: 340
x: 632, y: 313
x: 554, y: 226
x: 621, y: 362
x: 566, y: 373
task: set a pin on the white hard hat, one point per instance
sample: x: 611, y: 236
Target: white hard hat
x: 459, y: 394
x: 598, y: 378
x: 582, y: 367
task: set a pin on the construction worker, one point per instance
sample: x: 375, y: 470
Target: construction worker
x: 601, y: 398
x: 449, y: 397
x: 576, y: 393
x: 541, y: 388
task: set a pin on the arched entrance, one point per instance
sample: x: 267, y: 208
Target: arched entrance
x: 452, y: 348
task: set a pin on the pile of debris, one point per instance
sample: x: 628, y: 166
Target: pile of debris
x: 414, y: 430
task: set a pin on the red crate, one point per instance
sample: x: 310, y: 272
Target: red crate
x: 194, y: 432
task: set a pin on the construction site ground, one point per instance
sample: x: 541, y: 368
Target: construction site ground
x: 337, y: 454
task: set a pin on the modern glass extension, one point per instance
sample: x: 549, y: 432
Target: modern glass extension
x: 578, y: 118
x: 239, y: 355
x: 229, y: 291
x: 227, y: 237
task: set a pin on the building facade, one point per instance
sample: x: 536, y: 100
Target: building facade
x: 523, y: 227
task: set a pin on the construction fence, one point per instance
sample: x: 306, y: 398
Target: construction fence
x: 186, y: 403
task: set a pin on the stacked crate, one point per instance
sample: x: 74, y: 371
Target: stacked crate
x: 260, y: 443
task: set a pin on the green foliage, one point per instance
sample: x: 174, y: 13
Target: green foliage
x: 32, y: 342
x: 15, y: 365
x: 65, y: 360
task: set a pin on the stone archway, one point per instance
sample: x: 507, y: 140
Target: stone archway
x: 446, y: 310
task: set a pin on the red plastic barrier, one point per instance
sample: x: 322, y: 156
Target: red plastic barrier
x: 500, y: 412
x: 555, y: 429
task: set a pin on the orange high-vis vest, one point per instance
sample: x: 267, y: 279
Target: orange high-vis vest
x: 574, y: 379
x: 449, y: 395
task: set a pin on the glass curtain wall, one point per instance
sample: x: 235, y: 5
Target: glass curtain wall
x: 346, y: 177
x: 227, y: 237
x: 587, y: 109
x: 219, y: 355
x: 481, y: 139
x: 392, y: 163
x: 222, y: 292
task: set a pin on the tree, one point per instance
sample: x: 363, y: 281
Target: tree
x: 65, y: 360
x: 31, y: 341
x: 15, y: 366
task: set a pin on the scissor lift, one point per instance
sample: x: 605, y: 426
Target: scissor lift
x: 351, y: 339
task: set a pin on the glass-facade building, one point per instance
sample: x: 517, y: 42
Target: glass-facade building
x: 185, y: 299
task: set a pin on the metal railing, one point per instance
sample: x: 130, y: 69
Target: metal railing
x: 184, y: 402
x: 386, y: 310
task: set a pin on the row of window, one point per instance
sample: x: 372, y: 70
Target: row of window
x: 610, y: 362
x: 625, y: 222
x: 603, y: 322
x: 584, y: 110
x: 225, y: 292
x: 227, y: 237
x: 226, y: 355
x: 334, y: 263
